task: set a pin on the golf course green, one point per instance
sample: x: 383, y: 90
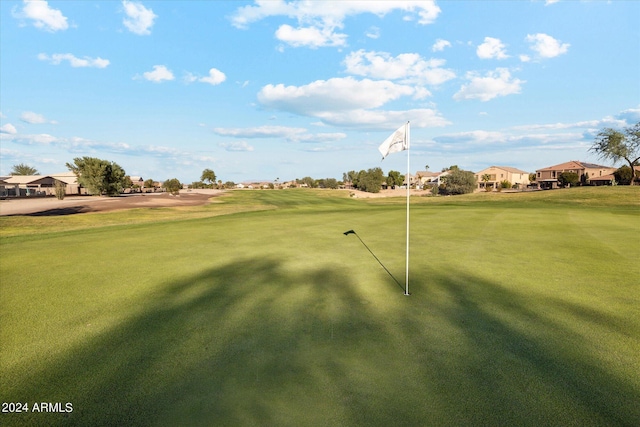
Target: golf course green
x: 256, y: 309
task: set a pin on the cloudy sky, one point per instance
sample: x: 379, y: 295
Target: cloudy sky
x: 286, y: 89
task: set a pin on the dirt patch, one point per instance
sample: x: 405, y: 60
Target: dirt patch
x: 386, y: 193
x: 51, y: 206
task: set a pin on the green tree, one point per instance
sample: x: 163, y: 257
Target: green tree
x: 615, y: 145
x: 458, y: 182
x: 60, y: 189
x: 568, y: 179
x: 623, y: 175
x: 149, y: 183
x: 486, y: 178
x: 23, y: 169
x: 394, y: 179
x: 98, y: 176
x: 330, y: 183
x: 310, y: 182
x: 208, y: 176
x: 370, y: 180
x: 173, y: 186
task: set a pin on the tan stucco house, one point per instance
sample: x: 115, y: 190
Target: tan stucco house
x: 497, y: 174
x: 548, y: 177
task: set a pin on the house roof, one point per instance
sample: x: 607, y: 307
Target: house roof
x: 25, y: 179
x: 66, y: 177
x: 574, y: 164
x: 505, y: 168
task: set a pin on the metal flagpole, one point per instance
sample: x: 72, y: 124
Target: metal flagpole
x: 406, y: 280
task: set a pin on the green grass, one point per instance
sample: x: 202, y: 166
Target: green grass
x: 259, y: 311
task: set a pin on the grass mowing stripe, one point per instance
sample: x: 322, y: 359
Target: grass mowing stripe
x: 276, y: 317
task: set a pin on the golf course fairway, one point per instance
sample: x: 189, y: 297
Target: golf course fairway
x: 257, y: 310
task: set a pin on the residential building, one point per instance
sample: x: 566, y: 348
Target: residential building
x: 497, y: 174
x: 547, y: 178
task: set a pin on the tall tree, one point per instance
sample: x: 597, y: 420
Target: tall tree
x: 458, y: 182
x: 98, y: 176
x: 23, y: 169
x: 394, y: 178
x: 208, y: 175
x: 173, y: 186
x: 614, y: 145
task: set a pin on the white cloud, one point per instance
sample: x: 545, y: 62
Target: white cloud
x: 260, y: 132
x: 383, y: 120
x: 215, y: 77
x: 492, y: 48
x: 9, y: 129
x: 43, y: 16
x: 160, y: 73
x: 139, y: 19
x: 312, y: 37
x: 287, y: 133
x: 548, y: 2
x: 236, y: 146
x: 373, y: 33
x: 493, y: 84
x: 407, y: 67
x: 546, y: 46
x: 630, y: 116
x: 439, y: 45
x: 35, y: 118
x: 525, y: 58
x: 329, y: 95
x: 75, y: 62
x: 318, y: 21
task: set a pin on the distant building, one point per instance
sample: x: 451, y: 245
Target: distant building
x: 547, y: 178
x: 498, y: 174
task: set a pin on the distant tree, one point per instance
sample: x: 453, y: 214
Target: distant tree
x: 198, y: 184
x: 426, y: 167
x: 149, y: 183
x: 458, y: 182
x: 60, y: 189
x: 394, y: 178
x: 615, y: 145
x: 623, y: 175
x: 23, y: 169
x: 98, y: 176
x: 208, y: 176
x: 486, y: 178
x: 568, y: 179
x: 173, y: 186
x: 370, y: 180
x: 451, y: 168
x: 331, y: 183
x: 229, y: 184
x: 532, y: 177
x: 505, y: 184
x: 310, y: 182
x: 127, y: 183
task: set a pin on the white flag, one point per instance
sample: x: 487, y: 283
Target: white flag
x: 396, y: 142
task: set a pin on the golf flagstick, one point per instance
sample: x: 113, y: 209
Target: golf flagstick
x: 406, y: 280
x: 400, y: 141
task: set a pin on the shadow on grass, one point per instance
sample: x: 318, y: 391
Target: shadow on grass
x: 250, y: 343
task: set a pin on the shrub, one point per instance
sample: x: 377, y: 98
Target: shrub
x: 173, y: 186
x: 60, y: 190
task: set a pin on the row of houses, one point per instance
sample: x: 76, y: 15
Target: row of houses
x: 546, y: 178
x: 44, y: 185
x: 493, y: 176
x: 39, y: 185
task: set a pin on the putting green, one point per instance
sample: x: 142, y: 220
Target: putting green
x: 258, y: 310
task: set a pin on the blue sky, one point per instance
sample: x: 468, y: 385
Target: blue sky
x: 287, y: 89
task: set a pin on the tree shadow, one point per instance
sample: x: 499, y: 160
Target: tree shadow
x: 252, y: 343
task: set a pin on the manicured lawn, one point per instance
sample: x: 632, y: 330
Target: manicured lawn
x: 525, y: 310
